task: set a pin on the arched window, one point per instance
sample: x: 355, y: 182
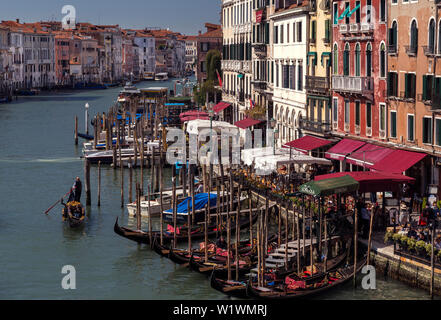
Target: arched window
x: 369, y: 60
x: 382, y: 60
x: 335, y: 60
x: 413, y: 36
x: 346, y: 60
x: 393, y: 33
x: 431, y: 42
x: 439, y: 37
x: 357, y: 60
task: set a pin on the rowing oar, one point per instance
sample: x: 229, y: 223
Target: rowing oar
x: 47, y: 211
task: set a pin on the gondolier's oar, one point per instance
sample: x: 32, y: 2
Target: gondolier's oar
x: 47, y: 211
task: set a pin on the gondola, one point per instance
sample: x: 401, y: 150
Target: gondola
x: 306, y: 287
x: 181, y: 256
x: 231, y: 288
x: 140, y: 236
x: 73, y: 213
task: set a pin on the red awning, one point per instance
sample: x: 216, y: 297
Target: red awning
x: 221, y: 106
x: 246, y: 123
x: 343, y: 148
x: 368, y: 155
x: 259, y: 15
x: 398, y: 161
x: 372, y: 181
x: 307, y: 143
x: 193, y: 113
x: 189, y: 118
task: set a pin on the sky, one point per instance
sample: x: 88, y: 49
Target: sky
x: 185, y: 16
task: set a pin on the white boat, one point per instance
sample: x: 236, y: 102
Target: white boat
x: 155, y: 205
x: 149, y: 76
x: 163, y: 76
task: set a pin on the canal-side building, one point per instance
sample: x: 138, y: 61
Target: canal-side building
x: 359, y: 69
x: 191, y: 53
x: 209, y: 40
x: 317, y: 120
x: 62, y: 58
x: 262, y: 82
x: 290, y: 66
x: 414, y: 85
x: 146, y: 51
x: 5, y: 62
x: 39, y: 57
x: 90, y: 59
x: 236, y: 57
x: 15, y: 52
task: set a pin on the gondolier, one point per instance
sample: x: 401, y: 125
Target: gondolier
x: 75, y: 194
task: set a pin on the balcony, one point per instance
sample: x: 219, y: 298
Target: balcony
x: 392, y: 48
x: 317, y: 84
x: 366, y: 27
x: 429, y: 51
x: 259, y: 85
x: 411, y: 50
x: 315, y: 126
x: 353, y: 85
x: 354, y: 27
x: 436, y: 102
x: 343, y: 28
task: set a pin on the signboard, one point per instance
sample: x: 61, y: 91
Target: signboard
x: 259, y: 15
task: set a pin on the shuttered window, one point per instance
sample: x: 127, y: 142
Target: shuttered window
x: 300, y: 78
x: 327, y: 30
x: 357, y: 113
x: 292, y: 77
x: 410, y: 85
x: 427, y: 130
x: 410, y: 127
x: 438, y: 132
x: 313, y: 30
x: 393, y: 124
x: 427, y: 87
x: 368, y: 115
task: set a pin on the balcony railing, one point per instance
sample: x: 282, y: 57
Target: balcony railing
x: 429, y: 50
x: 259, y: 84
x: 357, y: 85
x: 392, y: 48
x: 317, y: 84
x: 366, y: 27
x: 315, y: 126
x: 354, y: 27
x: 411, y: 50
x: 436, y: 101
x: 344, y: 28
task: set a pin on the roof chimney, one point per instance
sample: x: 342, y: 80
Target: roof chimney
x: 200, y: 32
x: 18, y: 20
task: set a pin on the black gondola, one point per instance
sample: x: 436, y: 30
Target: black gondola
x: 140, y: 236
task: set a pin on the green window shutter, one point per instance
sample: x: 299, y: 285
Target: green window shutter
x: 424, y: 87
x: 393, y: 124
x: 406, y: 86
x: 313, y: 30
x: 413, y: 78
x: 327, y: 23
x: 267, y: 33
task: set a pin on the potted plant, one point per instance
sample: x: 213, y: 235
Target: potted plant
x: 429, y: 250
x: 403, y: 243
x: 396, y: 238
x: 420, y: 247
x: 388, y: 237
x: 411, y: 244
x: 438, y: 256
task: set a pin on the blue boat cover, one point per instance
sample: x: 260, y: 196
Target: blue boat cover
x: 200, y: 201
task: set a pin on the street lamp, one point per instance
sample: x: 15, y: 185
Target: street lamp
x: 87, y: 117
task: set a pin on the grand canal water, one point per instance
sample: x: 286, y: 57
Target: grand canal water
x: 38, y: 162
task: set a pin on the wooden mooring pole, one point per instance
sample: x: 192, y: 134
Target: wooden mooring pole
x: 76, y: 131
x: 87, y: 181
x: 99, y: 184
